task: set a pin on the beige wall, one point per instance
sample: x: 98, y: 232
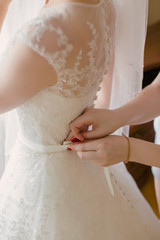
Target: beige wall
x: 154, y: 11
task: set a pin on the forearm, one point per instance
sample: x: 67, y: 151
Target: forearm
x: 144, y: 152
x: 143, y: 108
x: 3, y: 11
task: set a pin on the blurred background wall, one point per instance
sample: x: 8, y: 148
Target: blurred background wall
x: 154, y: 11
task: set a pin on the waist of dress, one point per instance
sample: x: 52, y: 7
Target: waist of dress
x: 43, y: 148
x: 57, y: 148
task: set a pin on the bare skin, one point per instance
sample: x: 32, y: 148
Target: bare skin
x: 24, y: 73
x: 4, y: 4
x: 104, y: 122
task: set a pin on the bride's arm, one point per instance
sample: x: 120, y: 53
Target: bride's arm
x: 143, y: 108
x: 4, y: 4
x: 22, y: 76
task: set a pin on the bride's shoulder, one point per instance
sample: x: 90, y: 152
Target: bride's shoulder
x: 46, y: 34
x: 47, y: 24
x: 44, y: 20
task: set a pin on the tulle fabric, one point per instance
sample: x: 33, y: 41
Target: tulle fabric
x: 19, y: 11
x: 131, y: 17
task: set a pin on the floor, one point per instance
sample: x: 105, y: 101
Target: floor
x: 149, y: 193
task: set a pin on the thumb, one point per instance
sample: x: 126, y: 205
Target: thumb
x: 93, y: 134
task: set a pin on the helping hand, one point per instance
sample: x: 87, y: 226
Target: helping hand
x: 106, y: 151
x: 103, y: 122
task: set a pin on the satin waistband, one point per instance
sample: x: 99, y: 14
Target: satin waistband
x: 59, y: 148
x: 43, y: 148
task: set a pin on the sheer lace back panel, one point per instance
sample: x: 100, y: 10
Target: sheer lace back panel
x: 76, y: 39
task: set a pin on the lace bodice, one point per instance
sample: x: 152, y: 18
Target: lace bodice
x: 78, y: 47
x: 76, y: 40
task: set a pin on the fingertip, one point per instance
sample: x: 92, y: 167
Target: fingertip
x: 75, y: 140
x: 81, y: 138
x: 78, y: 137
x: 69, y: 149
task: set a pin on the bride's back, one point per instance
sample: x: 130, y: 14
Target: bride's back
x: 76, y: 39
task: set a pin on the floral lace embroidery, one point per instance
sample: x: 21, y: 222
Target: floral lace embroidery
x: 78, y: 80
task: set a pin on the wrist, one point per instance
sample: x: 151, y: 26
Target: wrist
x: 120, y: 117
x: 5, y: 3
x: 125, y: 115
x: 128, y: 150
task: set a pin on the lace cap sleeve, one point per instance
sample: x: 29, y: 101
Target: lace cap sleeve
x: 79, y: 60
x: 45, y: 36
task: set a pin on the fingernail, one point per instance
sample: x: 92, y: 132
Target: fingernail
x: 75, y: 140
x: 69, y: 149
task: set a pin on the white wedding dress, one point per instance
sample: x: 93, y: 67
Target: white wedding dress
x: 46, y: 192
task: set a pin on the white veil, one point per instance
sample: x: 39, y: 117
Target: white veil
x: 19, y: 11
x: 131, y: 25
x: 130, y: 35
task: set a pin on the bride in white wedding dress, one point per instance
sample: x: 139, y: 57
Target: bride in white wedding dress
x: 50, y: 73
